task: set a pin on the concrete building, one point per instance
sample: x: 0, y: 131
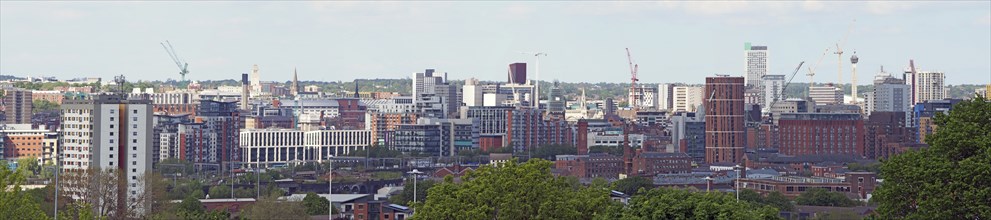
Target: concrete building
x: 166, y: 139
x: 821, y: 134
x: 826, y: 95
x: 858, y: 183
x: 556, y: 100
x: 773, y: 90
x: 925, y: 112
x: 687, y: 98
x: 266, y: 147
x: 22, y: 141
x: 890, y: 95
x: 756, y: 64
x: 437, y: 137
x: 665, y: 96
x: 472, y: 93
x: 643, y: 97
x: 929, y: 85
x: 724, y: 120
x: 220, y: 123
x: 108, y: 131
x: 688, y: 133
x: 17, y: 106
x: 433, y: 96
x: 382, y: 124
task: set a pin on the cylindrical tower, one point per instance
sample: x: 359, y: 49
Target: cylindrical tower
x: 853, y: 89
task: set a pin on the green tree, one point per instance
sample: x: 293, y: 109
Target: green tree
x: 821, y: 197
x: 15, y: 203
x: 315, y: 205
x: 513, y: 191
x: 271, y: 208
x: 611, y: 150
x: 29, y: 165
x: 406, y: 196
x: 549, y: 152
x: 949, y: 180
x: 190, y: 204
x: 667, y: 203
x: 40, y: 105
x: 220, y: 191
x: 631, y: 185
x: 775, y: 199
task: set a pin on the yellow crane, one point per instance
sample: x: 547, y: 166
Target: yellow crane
x: 839, y: 53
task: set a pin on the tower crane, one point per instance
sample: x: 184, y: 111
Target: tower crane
x: 812, y: 69
x: 839, y: 52
x: 633, y: 81
x: 183, y: 66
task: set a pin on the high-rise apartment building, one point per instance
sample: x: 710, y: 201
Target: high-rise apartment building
x: 773, y: 90
x: 556, y: 99
x: 929, y: 85
x: 890, y: 95
x: 220, y: 124
x: 17, y: 103
x: 687, y: 98
x: 517, y: 73
x: 756, y: 67
x: 433, y: 96
x: 665, y: 96
x: 109, y: 132
x: 725, y: 136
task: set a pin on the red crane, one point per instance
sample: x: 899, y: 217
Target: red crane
x: 634, y: 96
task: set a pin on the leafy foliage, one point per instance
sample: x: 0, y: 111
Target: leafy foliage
x: 821, y: 197
x: 611, y: 150
x: 315, y: 205
x: 15, y: 203
x: 775, y: 199
x: 271, y: 208
x: 513, y: 191
x: 40, y: 105
x: 631, y: 185
x: 406, y: 196
x: 949, y: 180
x: 548, y: 152
x: 667, y: 203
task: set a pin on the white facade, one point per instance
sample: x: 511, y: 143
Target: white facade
x: 828, y: 94
x: 929, y: 85
x: 665, y: 96
x: 756, y: 64
x: 687, y: 98
x: 106, y: 131
x: 644, y: 97
x: 773, y: 90
x: 280, y: 146
x: 256, y: 79
x: 472, y: 93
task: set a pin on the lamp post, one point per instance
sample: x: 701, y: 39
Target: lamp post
x: 330, y: 187
x: 737, y: 169
x: 415, y: 172
x: 708, y: 183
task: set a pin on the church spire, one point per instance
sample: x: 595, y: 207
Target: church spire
x: 295, y: 83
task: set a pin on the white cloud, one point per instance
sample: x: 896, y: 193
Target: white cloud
x: 986, y: 20
x: 813, y: 5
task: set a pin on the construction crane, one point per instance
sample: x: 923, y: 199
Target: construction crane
x: 183, y: 66
x: 812, y: 69
x: 839, y: 53
x: 633, y: 81
x: 793, y: 73
x: 911, y: 66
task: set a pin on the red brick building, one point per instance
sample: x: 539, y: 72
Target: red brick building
x: 590, y: 165
x: 821, y: 133
x: 650, y: 164
x: 886, y: 129
x: 725, y: 136
x: 857, y: 183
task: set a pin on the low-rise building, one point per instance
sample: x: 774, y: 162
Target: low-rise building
x: 595, y: 165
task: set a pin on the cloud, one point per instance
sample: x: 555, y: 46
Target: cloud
x: 66, y: 14
x: 985, y: 20
x: 813, y: 5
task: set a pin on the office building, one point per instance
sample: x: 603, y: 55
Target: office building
x: 665, y: 96
x: 556, y: 99
x: 925, y: 113
x: 757, y: 63
x: 826, y: 94
x: 688, y: 133
x: 17, y: 106
x: 687, y: 98
x: 821, y: 134
x: 890, y: 95
x: 267, y: 147
x: 437, y: 137
x: 724, y: 120
x: 883, y: 130
x: 433, y: 96
x: 472, y: 93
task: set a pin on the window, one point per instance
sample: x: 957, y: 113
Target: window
x: 111, y: 126
x: 135, y: 111
x: 111, y: 118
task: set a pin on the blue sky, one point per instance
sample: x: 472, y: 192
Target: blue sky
x: 585, y: 41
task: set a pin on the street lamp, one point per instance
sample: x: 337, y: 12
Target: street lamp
x: 415, y: 172
x: 737, y: 169
x: 708, y: 183
x: 330, y: 187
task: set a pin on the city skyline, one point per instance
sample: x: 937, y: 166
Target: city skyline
x: 331, y: 41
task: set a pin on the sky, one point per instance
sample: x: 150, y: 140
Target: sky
x: 584, y: 41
